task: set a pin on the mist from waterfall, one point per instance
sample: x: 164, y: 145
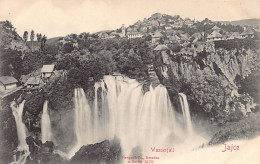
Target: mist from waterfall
x: 121, y: 109
x: 21, y: 133
x: 46, y: 124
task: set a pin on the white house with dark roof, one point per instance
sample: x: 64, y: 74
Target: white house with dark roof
x: 156, y: 37
x: 47, y: 71
x: 7, y: 83
x: 247, y: 33
x: 214, y: 36
x: 234, y: 35
x: 33, y: 82
x: 133, y: 35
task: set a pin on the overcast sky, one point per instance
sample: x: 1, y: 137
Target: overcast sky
x: 62, y: 17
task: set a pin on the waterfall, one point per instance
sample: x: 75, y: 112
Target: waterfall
x: 46, y: 124
x: 186, y: 113
x: 126, y: 112
x: 83, y: 123
x: 21, y: 133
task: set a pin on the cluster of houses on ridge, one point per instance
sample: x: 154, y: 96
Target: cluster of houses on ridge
x: 9, y: 83
x: 168, y: 28
x: 172, y: 35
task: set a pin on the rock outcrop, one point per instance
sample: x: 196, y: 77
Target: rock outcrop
x: 108, y: 152
x: 208, y: 75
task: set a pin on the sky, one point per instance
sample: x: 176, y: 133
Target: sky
x: 62, y: 17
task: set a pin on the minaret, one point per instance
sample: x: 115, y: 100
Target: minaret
x: 123, y: 30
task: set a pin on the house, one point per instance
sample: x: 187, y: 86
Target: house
x: 197, y: 36
x: 184, y: 36
x: 134, y: 35
x: 174, y: 38
x: 160, y: 47
x: 7, y: 83
x: 234, y: 35
x: 103, y: 35
x: 33, y: 82
x: 143, y: 29
x: 155, y: 23
x: 247, y: 33
x: 216, y: 28
x: 156, y: 37
x: 214, y: 36
x: 47, y: 71
x: 168, y: 27
x: 162, y: 23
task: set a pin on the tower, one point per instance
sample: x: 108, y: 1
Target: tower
x: 123, y: 30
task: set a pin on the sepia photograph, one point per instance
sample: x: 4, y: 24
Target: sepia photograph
x: 129, y: 81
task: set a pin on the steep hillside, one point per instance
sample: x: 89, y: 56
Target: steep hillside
x: 243, y: 22
x: 10, y: 39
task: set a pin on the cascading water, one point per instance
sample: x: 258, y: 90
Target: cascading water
x: 186, y: 113
x: 137, y: 119
x: 83, y: 122
x: 21, y: 133
x: 46, y: 124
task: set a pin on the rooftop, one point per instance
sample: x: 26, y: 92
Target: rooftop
x: 47, y: 68
x: 33, y: 81
x: 215, y: 34
x: 7, y: 80
x: 161, y: 47
x: 157, y: 35
x: 247, y: 32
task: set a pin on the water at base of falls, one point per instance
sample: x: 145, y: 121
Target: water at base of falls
x: 138, y: 119
x: 21, y: 133
x: 46, y: 124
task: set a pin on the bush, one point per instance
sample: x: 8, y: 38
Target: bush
x: 236, y: 44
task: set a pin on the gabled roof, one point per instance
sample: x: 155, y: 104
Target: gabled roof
x: 234, y: 35
x: 247, y: 32
x: 216, y: 28
x: 134, y: 33
x: 215, y: 34
x: 197, y: 35
x: 33, y: 81
x: 47, y: 68
x: 157, y: 35
x: 7, y: 80
x: 161, y: 47
x: 174, y: 37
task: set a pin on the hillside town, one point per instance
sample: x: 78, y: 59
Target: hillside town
x: 168, y: 29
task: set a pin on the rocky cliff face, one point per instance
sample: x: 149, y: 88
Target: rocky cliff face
x: 208, y: 75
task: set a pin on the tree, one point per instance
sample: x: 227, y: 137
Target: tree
x: 8, y: 25
x: 68, y: 47
x: 39, y: 37
x: 32, y: 35
x: 25, y: 36
x: 43, y: 41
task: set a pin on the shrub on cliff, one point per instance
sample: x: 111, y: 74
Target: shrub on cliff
x: 250, y: 85
x: 244, y: 129
x: 237, y: 44
x: 11, y: 63
x: 208, y: 92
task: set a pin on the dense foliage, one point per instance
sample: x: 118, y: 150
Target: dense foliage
x: 250, y: 84
x: 10, y: 63
x: 237, y: 44
x: 96, y: 58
